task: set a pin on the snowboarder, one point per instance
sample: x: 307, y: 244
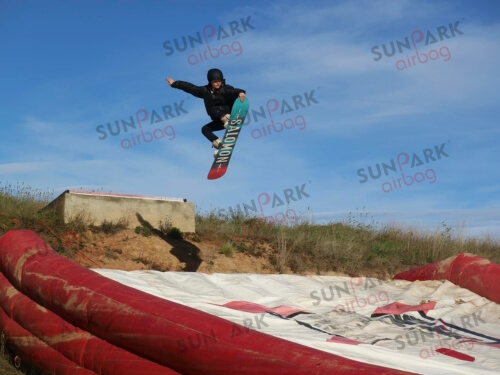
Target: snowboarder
x: 218, y: 98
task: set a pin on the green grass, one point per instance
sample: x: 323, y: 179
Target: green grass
x: 175, y: 233
x: 227, y: 249
x: 110, y: 227
x: 144, y: 231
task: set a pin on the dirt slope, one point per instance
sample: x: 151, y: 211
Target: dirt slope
x: 129, y: 251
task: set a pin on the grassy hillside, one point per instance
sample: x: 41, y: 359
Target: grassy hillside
x: 351, y: 246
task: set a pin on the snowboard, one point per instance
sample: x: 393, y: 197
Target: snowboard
x: 221, y: 161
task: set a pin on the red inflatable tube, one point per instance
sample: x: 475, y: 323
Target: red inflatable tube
x: 155, y: 328
x: 36, y: 352
x: 75, y: 344
x: 469, y: 271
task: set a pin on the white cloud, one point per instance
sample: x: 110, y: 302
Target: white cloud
x: 23, y: 167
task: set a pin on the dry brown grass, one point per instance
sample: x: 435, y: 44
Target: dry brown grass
x: 351, y: 246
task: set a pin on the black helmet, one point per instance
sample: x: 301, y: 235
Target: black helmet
x: 214, y: 74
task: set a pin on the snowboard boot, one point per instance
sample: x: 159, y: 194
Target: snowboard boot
x: 225, y: 120
x: 217, y: 144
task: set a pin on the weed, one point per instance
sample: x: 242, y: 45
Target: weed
x: 175, y: 233
x: 281, y: 254
x: 79, y: 223
x: 241, y: 247
x: 145, y: 231
x: 142, y: 260
x: 111, y: 254
x: 165, y: 225
x: 354, y: 245
x: 109, y: 227
x: 227, y: 249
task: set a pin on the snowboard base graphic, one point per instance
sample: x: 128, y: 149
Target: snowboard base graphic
x: 221, y: 161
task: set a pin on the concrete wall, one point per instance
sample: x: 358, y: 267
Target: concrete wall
x: 98, y: 207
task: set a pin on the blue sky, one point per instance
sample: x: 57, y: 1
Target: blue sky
x: 350, y: 107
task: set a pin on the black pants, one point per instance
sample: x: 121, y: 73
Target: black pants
x: 209, y: 128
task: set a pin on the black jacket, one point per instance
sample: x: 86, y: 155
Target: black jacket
x: 217, y: 103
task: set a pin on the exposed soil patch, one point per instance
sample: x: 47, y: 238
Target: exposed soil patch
x: 128, y: 250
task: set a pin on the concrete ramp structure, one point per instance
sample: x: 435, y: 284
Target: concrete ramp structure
x: 135, y: 209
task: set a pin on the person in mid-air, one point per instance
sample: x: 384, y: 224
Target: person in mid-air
x: 218, y: 98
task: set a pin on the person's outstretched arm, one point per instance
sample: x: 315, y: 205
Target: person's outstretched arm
x: 194, y: 90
